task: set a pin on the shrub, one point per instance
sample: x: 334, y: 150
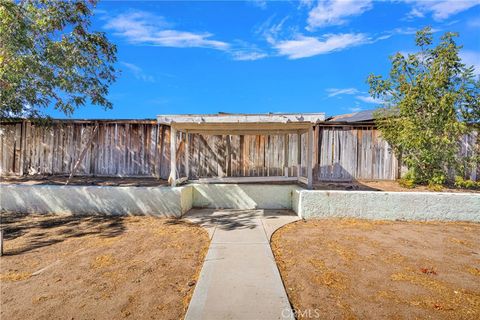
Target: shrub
x: 407, y: 183
x: 435, y: 186
x: 466, y: 184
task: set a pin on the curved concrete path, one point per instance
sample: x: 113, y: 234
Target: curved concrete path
x: 240, y: 278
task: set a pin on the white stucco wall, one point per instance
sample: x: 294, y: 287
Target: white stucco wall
x: 173, y: 202
x: 390, y: 205
x: 186, y: 198
x: 161, y: 201
x: 296, y: 201
x: 243, y: 196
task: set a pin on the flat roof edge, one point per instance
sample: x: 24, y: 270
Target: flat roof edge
x: 242, y: 118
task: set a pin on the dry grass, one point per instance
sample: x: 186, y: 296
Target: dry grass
x: 349, y: 268
x: 462, y: 242
x: 15, y: 276
x: 103, y: 261
x: 328, y: 277
x: 345, y: 252
x: 99, y: 267
x: 361, y: 224
x: 474, y: 271
x: 442, y: 295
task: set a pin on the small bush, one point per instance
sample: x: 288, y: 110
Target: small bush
x: 438, y: 179
x: 407, y: 183
x: 435, y: 186
x: 466, y: 184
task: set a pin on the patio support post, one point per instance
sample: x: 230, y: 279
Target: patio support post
x: 285, y: 155
x: 173, y: 156
x: 187, y: 154
x: 299, y: 154
x: 309, y: 158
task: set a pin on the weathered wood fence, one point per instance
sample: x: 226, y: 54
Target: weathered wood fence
x: 357, y: 152
x: 139, y: 148
x: 354, y: 152
x: 134, y: 149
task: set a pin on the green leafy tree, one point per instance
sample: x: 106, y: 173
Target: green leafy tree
x: 430, y: 100
x: 49, y: 57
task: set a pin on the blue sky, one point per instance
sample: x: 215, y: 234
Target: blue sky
x: 263, y: 56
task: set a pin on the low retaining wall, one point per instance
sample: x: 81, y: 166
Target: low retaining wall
x: 243, y: 196
x: 389, y: 205
x: 161, y: 201
x: 174, y: 202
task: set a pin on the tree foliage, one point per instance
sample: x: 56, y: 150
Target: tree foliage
x: 430, y: 100
x: 49, y: 57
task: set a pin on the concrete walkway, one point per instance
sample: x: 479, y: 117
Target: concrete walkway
x: 239, y: 278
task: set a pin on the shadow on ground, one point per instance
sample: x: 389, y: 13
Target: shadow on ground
x: 222, y: 218
x: 36, y: 231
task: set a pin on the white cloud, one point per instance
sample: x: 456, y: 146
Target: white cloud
x: 306, y: 3
x: 399, y: 31
x: 246, y: 51
x: 332, y: 92
x: 355, y: 109
x: 334, y: 12
x: 369, y: 99
x: 471, y: 58
x: 302, y: 46
x: 359, y: 95
x: 416, y: 13
x: 135, y: 26
x: 185, y: 39
x: 137, y: 72
x: 144, y: 28
x: 248, y: 56
x: 439, y: 9
x: 288, y: 41
x: 271, y: 31
x: 262, y: 4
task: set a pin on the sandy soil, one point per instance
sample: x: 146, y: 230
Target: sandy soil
x: 382, y: 185
x: 99, y: 267
x: 85, y: 181
x: 357, y: 269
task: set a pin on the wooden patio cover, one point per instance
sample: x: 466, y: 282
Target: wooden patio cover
x: 242, y: 124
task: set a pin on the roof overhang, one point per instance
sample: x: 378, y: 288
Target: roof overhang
x: 239, y: 124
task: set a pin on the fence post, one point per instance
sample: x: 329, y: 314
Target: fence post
x: 1, y: 242
x: 23, y: 134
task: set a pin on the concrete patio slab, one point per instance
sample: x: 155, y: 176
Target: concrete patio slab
x: 239, y: 278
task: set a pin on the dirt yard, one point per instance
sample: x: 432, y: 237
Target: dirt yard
x: 358, y: 269
x: 363, y: 185
x: 380, y: 185
x: 98, y: 267
x: 85, y: 181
